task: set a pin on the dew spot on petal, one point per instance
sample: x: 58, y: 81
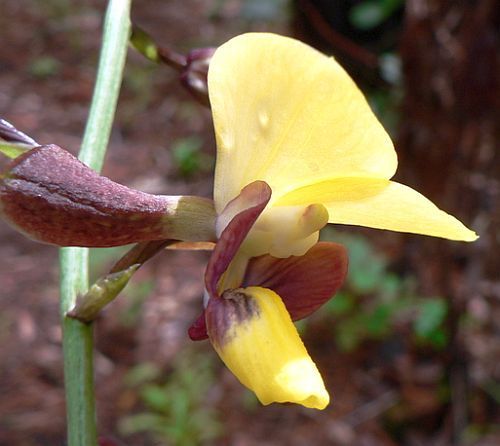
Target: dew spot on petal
x: 263, y: 119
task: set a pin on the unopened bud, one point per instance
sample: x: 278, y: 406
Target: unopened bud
x: 52, y: 197
x: 194, y: 75
x: 193, y: 68
x: 101, y: 293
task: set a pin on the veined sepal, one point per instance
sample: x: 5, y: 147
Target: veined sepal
x: 253, y: 334
x: 52, y: 197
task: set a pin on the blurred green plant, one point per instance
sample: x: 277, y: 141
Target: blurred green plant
x: 375, y: 302
x: 266, y: 10
x: 177, y: 410
x: 391, y: 71
x: 481, y: 434
x: 55, y: 9
x: 275, y: 11
x: 369, y: 14
x: 188, y: 157
x: 44, y: 67
x: 385, y: 104
x: 101, y: 259
x: 135, y: 295
x: 140, y: 81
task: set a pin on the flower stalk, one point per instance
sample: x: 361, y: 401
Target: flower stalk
x: 77, y: 336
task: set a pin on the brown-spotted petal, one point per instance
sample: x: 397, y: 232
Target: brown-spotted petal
x: 51, y: 196
x: 243, y: 211
x: 252, y: 332
x: 303, y: 282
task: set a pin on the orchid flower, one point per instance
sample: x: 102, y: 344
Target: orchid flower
x: 297, y: 147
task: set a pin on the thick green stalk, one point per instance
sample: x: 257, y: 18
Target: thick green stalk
x: 78, y: 337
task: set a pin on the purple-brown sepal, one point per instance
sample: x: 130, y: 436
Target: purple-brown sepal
x: 51, y: 196
x: 304, y: 283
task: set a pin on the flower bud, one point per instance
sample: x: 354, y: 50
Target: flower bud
x: 193, y: 68
x: 194, y: 75
x: 51, y: 196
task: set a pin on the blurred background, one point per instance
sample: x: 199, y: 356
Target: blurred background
x: 410, y: 348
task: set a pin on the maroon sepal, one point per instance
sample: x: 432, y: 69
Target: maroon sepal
x: 252, y: 199
x: 304, y: 283
x: 198, y: 330
x: 52, y: 197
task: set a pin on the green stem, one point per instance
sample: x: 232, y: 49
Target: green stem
x: 78, y: 337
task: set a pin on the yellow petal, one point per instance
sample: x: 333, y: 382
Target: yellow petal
x: 254, y: 335
x: 380, y: 204
x: 289, y: 115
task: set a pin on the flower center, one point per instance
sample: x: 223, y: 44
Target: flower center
x: 282, y: 231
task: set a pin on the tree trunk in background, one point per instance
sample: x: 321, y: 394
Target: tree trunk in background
x: 448, y: 147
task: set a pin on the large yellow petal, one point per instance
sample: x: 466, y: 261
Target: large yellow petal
x: 287, y: 114
x: 382, y: 204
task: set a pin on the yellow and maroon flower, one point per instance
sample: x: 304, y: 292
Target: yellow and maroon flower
x: 251, y: 302
x: 297, y: 147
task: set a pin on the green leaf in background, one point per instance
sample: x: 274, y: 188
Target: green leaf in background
x: 428, y: 325
x: 391, y: 68
x: 156, y: 397
x: 391, y: 287
x: 432, y: 314
x: 375, y: 301
x: 342, y: 303
x: 142, y: 373
x: 379, y: 321
x: 349, y: 333
x: 141, y: 422
x: 438, y: 338
x: 177, y: 410
x: 366, y: 267
x: 188, y: 157
x: 372, y: 13
x: 44, y: 66
x: 266, y: 10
